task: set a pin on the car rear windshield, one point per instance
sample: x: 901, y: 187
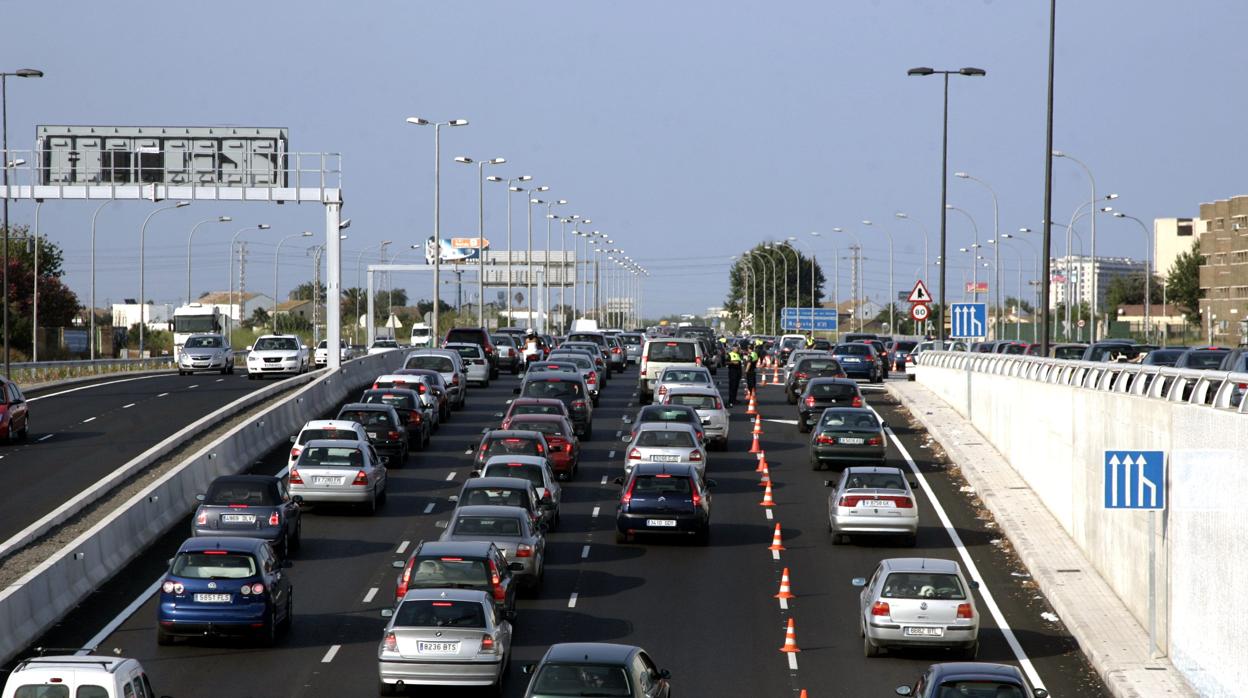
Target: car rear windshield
x: 392, y: 399
x: 326, y: 433
x: 818, y: 365
x: 503, y: 340
x: 441, y: 364
x: 276, y: 344
x: 436, y: 570
x: 210, y: 565
x: 697, y: 402
x: 487, y: 525
x: 469, y: 336
x: 203, y: 343
x: 581, y: 680
x: 368, y: 418
x: 523, y: 471
x: 511, y: 446
x: 665, y: 439
x: 440, y: 614
x: 849, y: 421
x: 1205, y: 359
x: 681, y: 352
x: 256, y: 494
x: 596, y: 339
x: 332, y: 457
x: 905, y: 346
x: 983, y: 688
x: 883, y: 481
x: 792, y: 342
x: 472, y: 352
x: 659, y: 414
x: 494, y: 496
x: 1068, y: 353
x: 923, y: 585
x: 631, y: 340
x: 556, y: 389
x: 537, y: 409
x: 853, y: 349
x: 578, y: 361
x: 661, y: 484
x: 683, y: 375
x: 833, y: 390
x: 545, y: 426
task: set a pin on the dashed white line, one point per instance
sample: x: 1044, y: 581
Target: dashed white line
x: 88, y: 419
x: 595, y: 514
x: 768, y: 512
x: 784, y: 604
x: 428, y: 509
x: 775, y: 554
x: 468, y: 452
x: 604, y: 479
x: 220, y: 380
x: 572, y: 600
x: 93, y: 385
x: 618, y: 434
x: 45, y: 437
x: 162, y: 395
x: 611, y: 454
x: 584, y: 552
x: 792, y: 661
x: 192, y: 386
x: 402, y: 547
x: 126, y: 407
x: 450, y: 476
x: 333, y: 651
x: 368, y: 598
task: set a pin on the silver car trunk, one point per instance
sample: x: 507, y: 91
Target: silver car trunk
x: 923, y: 597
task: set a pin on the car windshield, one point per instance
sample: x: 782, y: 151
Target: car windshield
x: 523, y: 471
x: 493, y: 496
x: 849, y: 421
x: 326, y: 433
x: 440, y: 614
x: 276, y: 344
x: 697, y: 402
x: 332, y: 457
x: 661, y: 485
x: 657, y: 438
x: 488, y: 525
x: 853, y: 349
x: 792, y: 342
x: 680, y: 375
x: 593, y: 338
x: 213, y: 564
x: 674, y: 352
x: 203, y: 343
x: 659, y: 414
x: 882, y: 481
x: 438, y: 570
x: 556, y: 389
x: 833, y: 390
x: 469, y: 352
x: 393, y: 399
x: 441, y: 364
x: 254, y: 494
x: 923, y: 585
x: 978, y: 689
x: 368, y: 418
x: 581, y: 680
x: 503, y: 340
x: 511, y: 446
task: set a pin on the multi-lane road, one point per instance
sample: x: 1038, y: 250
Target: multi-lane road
x: 706, y: 613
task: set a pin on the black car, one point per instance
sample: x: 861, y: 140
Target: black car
x: 847, y: 436
x: 822, y: 393
x: 386, y: 429
x: 249, y: 506
x: 972, y: 679
x: 1166, y: 356
x: 664, y: 498
x: 414, y: 414
x: 1111, y: 350
x: 901, y: 353
x: 881, y: 354
x: 807, y: 369
x: 479, y: 336
x: 597, y: 669
x: 668, y: 413
x: 458, y: 565
x: 568, y: 388
x: 1203, y: 358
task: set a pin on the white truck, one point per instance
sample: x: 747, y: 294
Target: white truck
x: 421, y: 334
x: 196, y: 318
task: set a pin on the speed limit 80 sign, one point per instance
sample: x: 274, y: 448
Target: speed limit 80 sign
x: 919, y: 312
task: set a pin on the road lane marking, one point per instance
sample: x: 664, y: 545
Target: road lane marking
x: 784, y: 604
x: 220, y: 380
x: 572, y: 600
x: 790, y: 422
x: 595, y: 514
x: 192, y: 386
x: 604, y: 479
x: 329, y: 656
x: 775, y: 554
x: 428, y: 509
x: 162, y: 395
x: 402, y: 547
x: 450, y: 476
x: 1006, y: 631
x: 618, y: 434
x: 611, y: 455
x: 126, y: 407
x: 45, y: 437
x: 122, y: 617
x: 584, y: 552
x: 88, y: 387
x: 368, y: 598
x: 468, y: 452
x: 88, y: 419
x: 792, y: 661
x: 768, y: 513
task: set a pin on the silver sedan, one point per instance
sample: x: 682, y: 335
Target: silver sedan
x: 665, y: 442
x: 918, y: 602
x: 872, y: 500
x: 334, y: 471
x: 510, y: 529
x: 710, y: 408
x: 205, y: 352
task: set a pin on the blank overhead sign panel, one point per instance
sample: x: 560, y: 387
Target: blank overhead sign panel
x: 219, y: 156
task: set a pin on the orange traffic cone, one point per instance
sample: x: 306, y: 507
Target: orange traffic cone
x: 765, y: 480
x: 767, y: 500
x: 762, y: 463
x: 762, y: 377
x: 775, y: 375
x: 790, y: 639
x: 785, y: 592
x: 754, y: 447
x: 802, y: 694
x: 775, y: 540
x: 752, y: 408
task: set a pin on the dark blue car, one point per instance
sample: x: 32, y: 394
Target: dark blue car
x: 224, y: 587
x: 859, y: 360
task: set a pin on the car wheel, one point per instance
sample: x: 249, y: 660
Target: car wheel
x: 802, y: 426
x: 597, y: 401
x: 268, y: 634
x: 838, y: 538
x: 493, y: 375
x: 621, y: 537
x: 289, y: 619
x: 25, y: 432
x: 296, y: 542
x: 251, y: 376
x: 869, y: 648
x: 181, y: 372
x: 386, y: 689
x: 225, y: 370
x: 163, y: 638
x: 371, y: 507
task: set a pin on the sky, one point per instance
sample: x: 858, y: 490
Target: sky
x: 687, y: 131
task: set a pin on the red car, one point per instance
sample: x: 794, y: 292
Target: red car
x: 565, y: 448
x: 509, y: 442
x: 533, y: 405
x: 14, y: 414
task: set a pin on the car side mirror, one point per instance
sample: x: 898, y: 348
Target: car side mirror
x: 914, y: 484
x: 293, y: 439
x: 859, y: 581
x: 287, y: 564
x: 509, y: 616
x: 974, y: 584
x: 474, y: 473
x: 515, y: 391
x: 619, y: 480
x: 626, y: 439
x: 398, y: 564
x: 546, y: 499
x: 200, y: 498
x: 665, y: 674
x: 1040, y: 693
x: 454, y: 497
x: 528, y: 669
x: 387, y: 612
x: 516, y: 566
x: 904, y: 690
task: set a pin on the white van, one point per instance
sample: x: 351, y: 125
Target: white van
x: 421, y: 334
x: 661, y: 352
x: 78, y: 677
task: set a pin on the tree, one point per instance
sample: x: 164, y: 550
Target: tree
x: 57, y: 304
x: 426, y: 306
x: 1128, y: 289
x: 303, y: 292
x: 1183, y: 283
x: 749, y: 273
x: 352, y: 298
x: 387, y: 300
x: 1025, y: 306
x: 259, y: 318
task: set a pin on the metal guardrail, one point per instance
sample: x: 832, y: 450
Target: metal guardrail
x: 1223, y: 390
x: 32, y: 373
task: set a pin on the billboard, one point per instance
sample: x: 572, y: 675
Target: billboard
x: 981, y: 287
x: 456, y: 250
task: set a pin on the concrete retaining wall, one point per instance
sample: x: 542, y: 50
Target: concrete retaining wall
x: 1055, y: 436
x: 35, y: 602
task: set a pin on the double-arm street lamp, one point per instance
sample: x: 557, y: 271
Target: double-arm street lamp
x: 511, y: 188
x: 1148, y: 269
x: 143, y: 270
x: 437, y: 206
x: 480, y: 229
x: 528, y: 258
x: 974, y: 268
x: 189, y: 239
x: 546, y: 260
x: 996, y: 233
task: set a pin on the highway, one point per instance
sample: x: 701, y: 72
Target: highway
x: 705, y: 613
x: 80, y: 433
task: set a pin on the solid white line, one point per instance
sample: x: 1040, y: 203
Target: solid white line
x: 596, y: 510
x: 220, y: 380
x: 46, y: 437
x: 584, y: 552
x: 88, y: 419
x: 775, y: 554
x: 572, y: 600
x: 428, y: 508
x: 402, y: 547
x: 1006, y: 631
x: 122, y: 617
x: 329, y: 656
x: 768, y: 511
x: 618, y: 434
x: 792, y: 661
x: 368, y: 598
x: 162, y: 395
x: 450, y: 476
x: 468, y: 452
x: 126, y: 407
x: 604, y: 479
x: 93, y: 385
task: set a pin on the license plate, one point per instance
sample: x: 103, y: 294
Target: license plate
x: 661, y: 523
x: 665, y: 459
x: 852, y: 441
x: 238, y: 518
x: 372, y: 434
x: 876, y: 504
x: 850, y: 360
x: 924, y: 632
x: 326, y: 480
x: 212, y: 598
x: 437, y: 647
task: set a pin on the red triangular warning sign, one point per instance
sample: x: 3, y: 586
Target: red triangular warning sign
x: 920, y: 294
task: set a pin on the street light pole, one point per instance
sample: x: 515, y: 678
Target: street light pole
x: 944, y: 169
x: 892, y: 294
x: 1092, y: 243
x: 191, y: 238
x: 143, y: 269
x: 546, y: 260
x: 34, y: 306
x: 437, y: 207
x: 511, y: 187
x: 233, y: 242
x: 1148, y: 271
x: 92, y: 313
x: 277, y: 256
x: 7, y: 162
x: 836, y: 283
x: 974, y: 268
x: 480, y: 230
x: 923, y: 229
x: 528, y: 257
x: 996, y: 233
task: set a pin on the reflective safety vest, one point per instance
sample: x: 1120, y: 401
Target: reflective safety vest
x: 734, y: 358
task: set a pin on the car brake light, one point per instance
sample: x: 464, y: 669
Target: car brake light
x: 874, y: 441
x: 496, y: 584
x: 295, y: 477
x: 401, y: 590
x: 274, y: 519
x: 810, y: 401
x: 578, y: 404
x: 825, y: 439
x: 487, y: 644
x: 698, y: 361
x: 628, y: 494
x: 202, y: 519
x: 802, y: 375
x: 392, y: 434
x: 856, y: 402
x: 964, y: 611
x: 455, y: 379
x: 420, y: 388
x: 361, y: 478
x: 294, y: 452
x: 256, y: 588
x: 391, y: 643
x: 697, y: 498
x: 593, y: 378
x: 524, y: 550
x: 902, y: 502
x: 880, y: 608
x: 850, y: 501
x: 634, y: 454
x: 695, y: 457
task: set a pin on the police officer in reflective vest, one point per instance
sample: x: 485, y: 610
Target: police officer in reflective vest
x: 735, y: 359
x: 751, y: 359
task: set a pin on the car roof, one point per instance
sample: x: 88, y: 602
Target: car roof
x: 536, y: 401
x: 681, y: 469
x: 109, y: 664
x: 920, y: 564
x: 527, y: 460
x: 512, y: 433
x: 878, y: 469
x: 666, y: 425
x: 258, y: 479
x: 335, y: 423
x: 590, y: 653
x: 233, y: 545
x: 333, y: 443
x: 493, y: 509
x: 465, y: 548
x: 496, y: 482
x: 824, y: 380
x: 540, y: 417
x: 365, y: 407
x: 968, y: 670
x: 448, y: 595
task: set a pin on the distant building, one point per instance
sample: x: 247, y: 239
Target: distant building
x: 129, y: 313
x: 240, y: 307
x: 1164, y: 319
x: 1223, y: 231
x: 1071, y: 277
x: 300, y: 309
x: 1171, y: 237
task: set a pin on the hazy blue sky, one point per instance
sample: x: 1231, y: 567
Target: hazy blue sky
x: 686, y: 130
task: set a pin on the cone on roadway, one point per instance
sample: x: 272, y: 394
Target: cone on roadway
x: 802, y: 694
x: 762, y: 377
x: 752, y: 408
x: 758, y: 424
x: 768, y: 501
x: 762, y: 462
x: 754, y: 447
x: 776, y: 544
x: 790, y: 639
x: 775, y: 374
x: 785, y: 592
x: 765, y: 480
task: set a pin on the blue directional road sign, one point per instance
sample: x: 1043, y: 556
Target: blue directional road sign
x: 1135, y: 480
x: 970, y: 320
x: 820, y: 319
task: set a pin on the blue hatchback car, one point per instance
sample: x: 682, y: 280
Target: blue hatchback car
x: 859, y: 360
x: 225, y: 587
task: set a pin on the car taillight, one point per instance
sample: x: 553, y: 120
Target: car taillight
x: 420, y: 388
x: 593, y: 378
x: 615, y: 350
x: 902, y: 502
x: 698, y: 360
x: 880, y: 608
x: 662, y: 390
x: 644, y: 361
x: 874, y: 441
x: 391, y: 643
x: 825, y: 439
x: 810, y: 401
x: 524, y: 550
x: 964, y: 611
x: 496, y: 584
x: 695, y: 457
x: 361, y: 478
x: 295, y: 477
x: 697, y: 498
x: 401, y: 590
x: 578, y: 404
x: 487, y: 644
x: 628, y: 494
x: 634, y: 454
x: 294, y: 452
x: 856, y: 402
x: 274, y: 519
x: 202, y: 519
x: 392, y: 434
x: 256, y: 588
x: 455, y: 379
x: 801, y: 375
x: 171, y: 587
x: 850, y: 501
x: 489, y: 351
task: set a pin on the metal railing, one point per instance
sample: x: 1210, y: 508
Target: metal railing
x: 30, y: 373
x: 1223, y: 390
